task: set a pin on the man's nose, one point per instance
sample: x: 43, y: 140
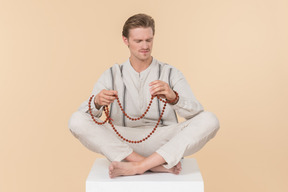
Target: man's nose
x: 145, y: 45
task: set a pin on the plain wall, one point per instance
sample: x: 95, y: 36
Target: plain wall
x: 233, y: 54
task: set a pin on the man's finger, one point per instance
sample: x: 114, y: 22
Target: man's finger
x: 155, y: 90
x: 103, y: 101
x: 111, y: 92
x: 154, y: 82
x: 159, y: 93
x: 110, y: 98
x: 156, y: 86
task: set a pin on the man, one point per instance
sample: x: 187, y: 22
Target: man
x: 134, y: 82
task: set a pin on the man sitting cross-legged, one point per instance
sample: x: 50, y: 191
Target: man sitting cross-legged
x: 134, y: 82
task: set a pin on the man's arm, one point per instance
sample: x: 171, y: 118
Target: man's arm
x: 102, y: 85
x: 104, y: 97
x: 187, y: 105
x: 162, y: 89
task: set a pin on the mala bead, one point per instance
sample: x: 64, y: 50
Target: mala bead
x: 176, y: 98
x: 109, y: 119
x: 90, y: 111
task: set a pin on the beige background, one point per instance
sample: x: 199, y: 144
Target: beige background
x: 233, y: 53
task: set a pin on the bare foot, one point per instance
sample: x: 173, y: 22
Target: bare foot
x: 124, y: 168
x: 160, y: 169
x: 178, y: 168
x: 133, y: 168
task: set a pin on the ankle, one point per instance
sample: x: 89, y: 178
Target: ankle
x: 140, y: 169
x: 134, y: 157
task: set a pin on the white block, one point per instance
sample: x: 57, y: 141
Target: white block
x: 190, y: 179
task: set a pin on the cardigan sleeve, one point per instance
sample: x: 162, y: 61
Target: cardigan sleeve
x: 187, y: 105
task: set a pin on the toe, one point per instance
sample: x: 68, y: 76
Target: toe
x: 111, y: 167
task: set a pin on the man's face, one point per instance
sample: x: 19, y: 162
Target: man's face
x: 140, y: 42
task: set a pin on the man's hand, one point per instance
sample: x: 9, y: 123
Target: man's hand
x: 162, y: 89
x: 105, y: 97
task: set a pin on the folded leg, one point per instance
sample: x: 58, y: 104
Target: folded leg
x: 98, y: 138
x: 192, y: 136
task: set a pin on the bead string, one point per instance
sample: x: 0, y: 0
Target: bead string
x: 108, y: 118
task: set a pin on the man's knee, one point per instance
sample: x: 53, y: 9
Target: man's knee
x: 212, y: 121
x: 76, y: 122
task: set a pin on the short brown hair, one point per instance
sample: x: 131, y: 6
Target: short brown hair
x: 138, y: 20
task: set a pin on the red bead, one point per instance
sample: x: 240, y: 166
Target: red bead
x: 108, y: 118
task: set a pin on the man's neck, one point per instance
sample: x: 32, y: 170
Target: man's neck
x: 140, y: 65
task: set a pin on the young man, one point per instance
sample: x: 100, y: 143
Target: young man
x: 134, y: 82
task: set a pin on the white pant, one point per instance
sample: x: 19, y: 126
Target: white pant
x: 171, y: 142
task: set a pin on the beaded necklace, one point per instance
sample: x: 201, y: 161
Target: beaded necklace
x: 108, y: 118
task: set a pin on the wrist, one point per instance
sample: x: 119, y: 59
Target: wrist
x: 175, y: 100
x: 96, y: 105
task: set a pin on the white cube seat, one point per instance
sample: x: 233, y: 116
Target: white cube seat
x: 190, y: 179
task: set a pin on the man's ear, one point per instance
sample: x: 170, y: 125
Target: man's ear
x: 125, y: 40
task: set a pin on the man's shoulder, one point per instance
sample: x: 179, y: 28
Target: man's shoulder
x: 166, y: 66
x: 171, y: 71
x: 118, y: 68
x: 112, y: 70
x: 121, y: 65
